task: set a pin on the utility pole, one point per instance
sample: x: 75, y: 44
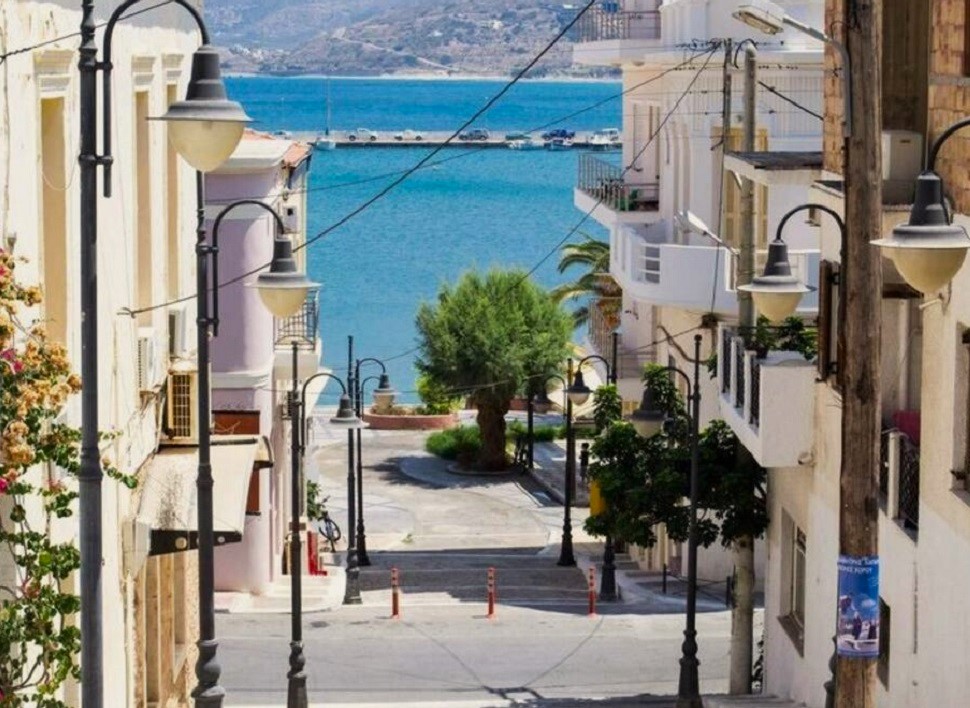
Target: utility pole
x: 859, y: 323
x: 725, y: 125
x: 742, y: 611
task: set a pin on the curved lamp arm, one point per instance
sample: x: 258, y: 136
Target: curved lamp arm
x: 690, y: 386
x: 359, y: 408
x: 588, y: 357
x: 302, y: 401
x: 214, y: 250
x: 106, y: 67
x: 807, y: 207
x: 938, y: 143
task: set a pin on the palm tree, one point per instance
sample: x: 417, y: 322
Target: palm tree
x: 596, y: 285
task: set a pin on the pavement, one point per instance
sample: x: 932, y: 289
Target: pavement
x: 443, y: 532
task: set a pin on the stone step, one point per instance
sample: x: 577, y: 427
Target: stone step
x: 756, y: 701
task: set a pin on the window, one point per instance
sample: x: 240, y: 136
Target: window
x: 172, y: 194
x: 54, y: 216
x: 793, y: 573
x: 144, y: 278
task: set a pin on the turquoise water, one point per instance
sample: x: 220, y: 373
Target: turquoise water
x: 485, y: 208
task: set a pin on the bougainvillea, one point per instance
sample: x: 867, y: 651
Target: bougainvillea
x: 39, y: 457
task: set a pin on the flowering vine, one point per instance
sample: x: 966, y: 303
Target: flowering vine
x: 39, y: 457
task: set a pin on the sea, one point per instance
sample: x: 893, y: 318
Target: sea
x: 468, y: 209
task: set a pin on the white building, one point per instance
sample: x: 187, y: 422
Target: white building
x: 676, y: 282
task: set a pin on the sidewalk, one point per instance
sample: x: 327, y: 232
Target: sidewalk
x: 550, y: 471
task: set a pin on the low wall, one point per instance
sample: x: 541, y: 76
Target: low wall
x: 410, y: 422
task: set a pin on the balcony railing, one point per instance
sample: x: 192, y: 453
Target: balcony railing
x: 755, y: 395
x: 604, y: 182
x: 608, y: 20
x: 300, y: 327
x: 629, y: 363
x: 899, y: 478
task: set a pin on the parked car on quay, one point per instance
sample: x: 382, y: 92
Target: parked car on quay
x: 406, y: 135
x: 362, y: 134
x: 479, y: 134
x: 559, y: 134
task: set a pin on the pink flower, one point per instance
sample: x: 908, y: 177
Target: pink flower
x: 4, y: 484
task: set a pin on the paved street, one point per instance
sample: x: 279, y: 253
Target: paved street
x: 442, y: 531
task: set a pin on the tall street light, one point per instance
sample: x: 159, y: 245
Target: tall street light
x: 282, y: 290
x: 352, y: 585
x: 209, y: 128
x: 648, y: 420
x: 383, y: 396
x: 566, y: 557
x: 296, y: 693
x: 579, y: 392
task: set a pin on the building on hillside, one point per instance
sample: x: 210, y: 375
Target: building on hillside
x: 146, y: 234
x: 924, y: 518
x: 251, y: 356
x: 677, y: 157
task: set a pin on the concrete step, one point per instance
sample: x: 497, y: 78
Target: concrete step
x: 756, y: 701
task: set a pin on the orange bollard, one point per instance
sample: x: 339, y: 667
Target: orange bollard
x: 395, y: 595
x: 491, y: 593
x: 592, y: 592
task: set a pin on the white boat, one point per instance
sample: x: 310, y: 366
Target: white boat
x: 325, y: 141
x: 557, y: 144
x: 530, y: 144
x: 606, y: 139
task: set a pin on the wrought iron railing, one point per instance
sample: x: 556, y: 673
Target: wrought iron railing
x: 604, y: 182
x: 908, y: 513
x: 300, y: 327
x: 608, y: 20
x: 739, y: 372
x: 754, y: 417
x: 725, y: 362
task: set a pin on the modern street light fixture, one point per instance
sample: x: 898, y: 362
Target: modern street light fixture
x: 296, y: 693
x: 768, y: 17
x: 648, y: 420
x: 383, y: 396
x: 566, y: 556
x: 929, y: 250
x: 206, y: 111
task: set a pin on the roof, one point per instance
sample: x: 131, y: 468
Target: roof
x: 780, y: 160
x: 259, y: 151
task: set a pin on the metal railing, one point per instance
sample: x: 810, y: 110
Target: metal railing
x: 604, y: 181
x: 754, y: 416
x: 908, y: 512
x: 739, y: 351
x: 300, y: 327
x: 609, y: 21
x: 725, y: 363
x: 629, y: 363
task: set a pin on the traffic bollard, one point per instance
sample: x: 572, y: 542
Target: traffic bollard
x: 395, y: 594
x: 592, y: 592
x: 491, y: 593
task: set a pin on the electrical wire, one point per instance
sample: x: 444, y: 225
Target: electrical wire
x: 789, y: 99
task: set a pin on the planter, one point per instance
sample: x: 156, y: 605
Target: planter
x: 519, y: 404
x: 410, y: 422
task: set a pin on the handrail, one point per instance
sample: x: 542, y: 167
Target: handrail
x: 605, y: 23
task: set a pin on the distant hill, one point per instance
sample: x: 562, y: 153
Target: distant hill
x: 368, y: 37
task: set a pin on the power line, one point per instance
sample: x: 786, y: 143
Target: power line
x: 788, y: 99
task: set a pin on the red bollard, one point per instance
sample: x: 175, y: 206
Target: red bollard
x: 592, y: 592
x: 491, y: 593
x: 395, y: 595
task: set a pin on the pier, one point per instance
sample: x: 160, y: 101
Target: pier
x: 429, y: 138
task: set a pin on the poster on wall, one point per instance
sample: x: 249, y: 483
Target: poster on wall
x: 857, y: 630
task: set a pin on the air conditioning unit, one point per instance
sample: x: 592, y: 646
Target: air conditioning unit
x: 182, y: 419
x: 177, y: 331
x: 902, y: 155
x: 147, y: 360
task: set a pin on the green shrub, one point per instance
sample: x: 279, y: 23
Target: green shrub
x: 541, y: 433
x: 437, y: 399
x: 461, y: 443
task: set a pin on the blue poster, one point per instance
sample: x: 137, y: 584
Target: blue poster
x: 857, y: 629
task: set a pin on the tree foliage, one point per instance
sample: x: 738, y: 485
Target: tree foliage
x: 39, y: 636
x: 595, y: 282
x: 646, y: 481
x: 487, y: 335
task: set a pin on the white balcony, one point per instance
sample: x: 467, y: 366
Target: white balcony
x: 692, y: 274
x: 299, y: 329
x: 603, y: 192
x: 616, y: 32
x: 768, y: 402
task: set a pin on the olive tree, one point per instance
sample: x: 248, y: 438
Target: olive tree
x: 487, y: 336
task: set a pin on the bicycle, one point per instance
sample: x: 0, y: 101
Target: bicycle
x: 328, y: 528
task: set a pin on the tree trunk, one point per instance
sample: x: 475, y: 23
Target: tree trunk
x: 491, y: 424
x: 742, y: 616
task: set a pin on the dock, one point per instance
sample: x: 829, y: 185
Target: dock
x: 430, y: 138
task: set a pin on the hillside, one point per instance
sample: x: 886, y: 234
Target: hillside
x: 367, y: 37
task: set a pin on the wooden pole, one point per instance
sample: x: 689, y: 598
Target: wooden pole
x: 860, y: 323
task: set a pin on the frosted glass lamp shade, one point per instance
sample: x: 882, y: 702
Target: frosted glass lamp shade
x: 579, y: 392
x: 205, y: 144
x: 647, y: 419
x: 776, y: 292
x: 346, y: 418
x: 283, y: 289
x: 384, y: 394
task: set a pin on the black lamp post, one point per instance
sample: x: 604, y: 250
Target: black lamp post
x: 579, y: 393
x: 206, y: 129
x: 352, y: 586
x: 296, y: 694
x: 383, y: 395
x: 566, y: 557
x: 648, y: 420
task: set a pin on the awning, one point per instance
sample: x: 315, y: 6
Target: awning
x: 169, y: 500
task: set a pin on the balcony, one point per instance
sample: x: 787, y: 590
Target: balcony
x: 757, y: 396
x: 299, y: 329
x: 899, y: 479
x: 602, y: 191
x: 600, y: 328
x: 612, y: 33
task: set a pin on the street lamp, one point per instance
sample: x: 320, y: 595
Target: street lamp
x: 383, y: 396
x: 929, y: 250
x: 296, y: 693
x: 205, y: 103
x: 566, y: 557
x: 648, y: 419
x: 352, y: 586
x: 768, y: 17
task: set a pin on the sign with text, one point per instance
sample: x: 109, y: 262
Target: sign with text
x: 857, y: 629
